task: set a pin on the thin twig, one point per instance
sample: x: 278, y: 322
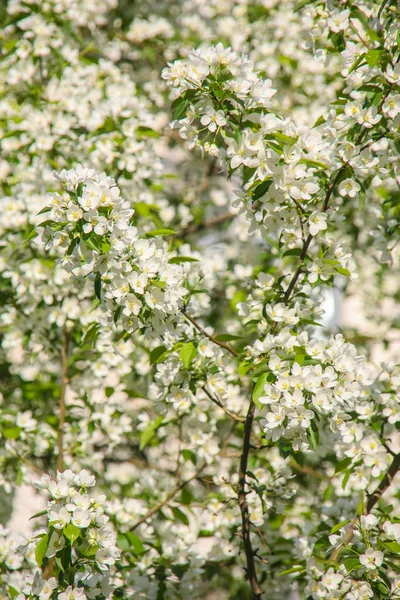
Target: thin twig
x: 168, y: 499
x: 218, y: 402
x: 64, y: 384
x: 372, y: 500
x: 195, y: 227
x: 307, y: 470
x: 207, y: 335
x: 264, y: 543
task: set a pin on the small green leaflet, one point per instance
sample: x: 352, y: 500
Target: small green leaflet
x: 149, y: 432
x: 40, y: 549
x: 338, y: 526
x: 177, y: 260
x: 180, y: 515
x: 158, y: 232
x: 188, y: 353
x: 98, y: 285
x: 71, y: 532
x: 11, y: 433
x: 259, y: 389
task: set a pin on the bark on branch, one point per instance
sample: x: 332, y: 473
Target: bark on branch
x: 244, y: 507
x: 64, y: 384
x: 372, y: 500
x: 167, y: 500
x: 207, y: 335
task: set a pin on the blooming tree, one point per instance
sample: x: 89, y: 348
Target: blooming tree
x: 185, y: 187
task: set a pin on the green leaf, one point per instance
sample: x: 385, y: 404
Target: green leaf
x: 98, y: 285
x: 147, y: 132
x: 320, y: 121
x: 372, y: 57
x: 392, y: 546
x: 313, y: 435
x: 31, y: 236
x: 286, y: 139
x: 71, y: 246
x: 179, y: 108
x: 118, y: 313
x: 156, y: 353
x: 259, y: 389
x: 227, y: 337
x: 244, y: 367
x: 205, y: 533
x: 346, y: 478
x: 122, y: 543
x: 177, y: 260
x: 11, y: 433
x: 292, y: 570
x: 338, y: 526
x: 293, y: 252
x: 262, y: 189
x: 149, y: 432
x: 342, y: 465
x: 351, y: 563
x: 361, y: 507
x: 302, y: 3
x: 13, y: 592
x: 40, y: 549
x: 180, y: 515
x: 143, y: 209
x: 135, y: 543
x: 313, y: 163
x: 39, y: 514
x: 71, y: 532
x: 357, y: 63
x: 158, y: 232
x: 189, y: 455
x: 87, y: 550
x: 188, y: 353
x: 342, y: 271
x: 44, y: 210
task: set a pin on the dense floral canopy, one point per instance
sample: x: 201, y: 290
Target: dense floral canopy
x: 186, y: 189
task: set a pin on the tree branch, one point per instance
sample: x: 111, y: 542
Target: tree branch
x: 170, y: 497
x: 218, y: 402
x: 373, y: 499
x: 207, y: 335
x: 244, y: 507
x: 195, y: 227
x: 64, y: 384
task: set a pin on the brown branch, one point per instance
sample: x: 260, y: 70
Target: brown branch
x: 309, y: 239
x: 384, y: 484
x: 244, y: 507
x: 168, y: 498
x: 207, y: 335
x: 195, y: 227
x: 325, y: 206
x: 373, y: 499
x: 307, y: 470
x: 218, y: 402
x: 264, y: 543
x: 64, y: 384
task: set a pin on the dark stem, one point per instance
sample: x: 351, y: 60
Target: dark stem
x: 218, y: 402
x: 64, y: 383
x: 207, y: 335
x: 168, y: 499
x: 223, y: 218
x: 372, y: 500
x: 244, y: 507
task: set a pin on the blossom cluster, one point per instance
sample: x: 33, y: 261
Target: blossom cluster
x: 92, y: 224
x: 75, y: 554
